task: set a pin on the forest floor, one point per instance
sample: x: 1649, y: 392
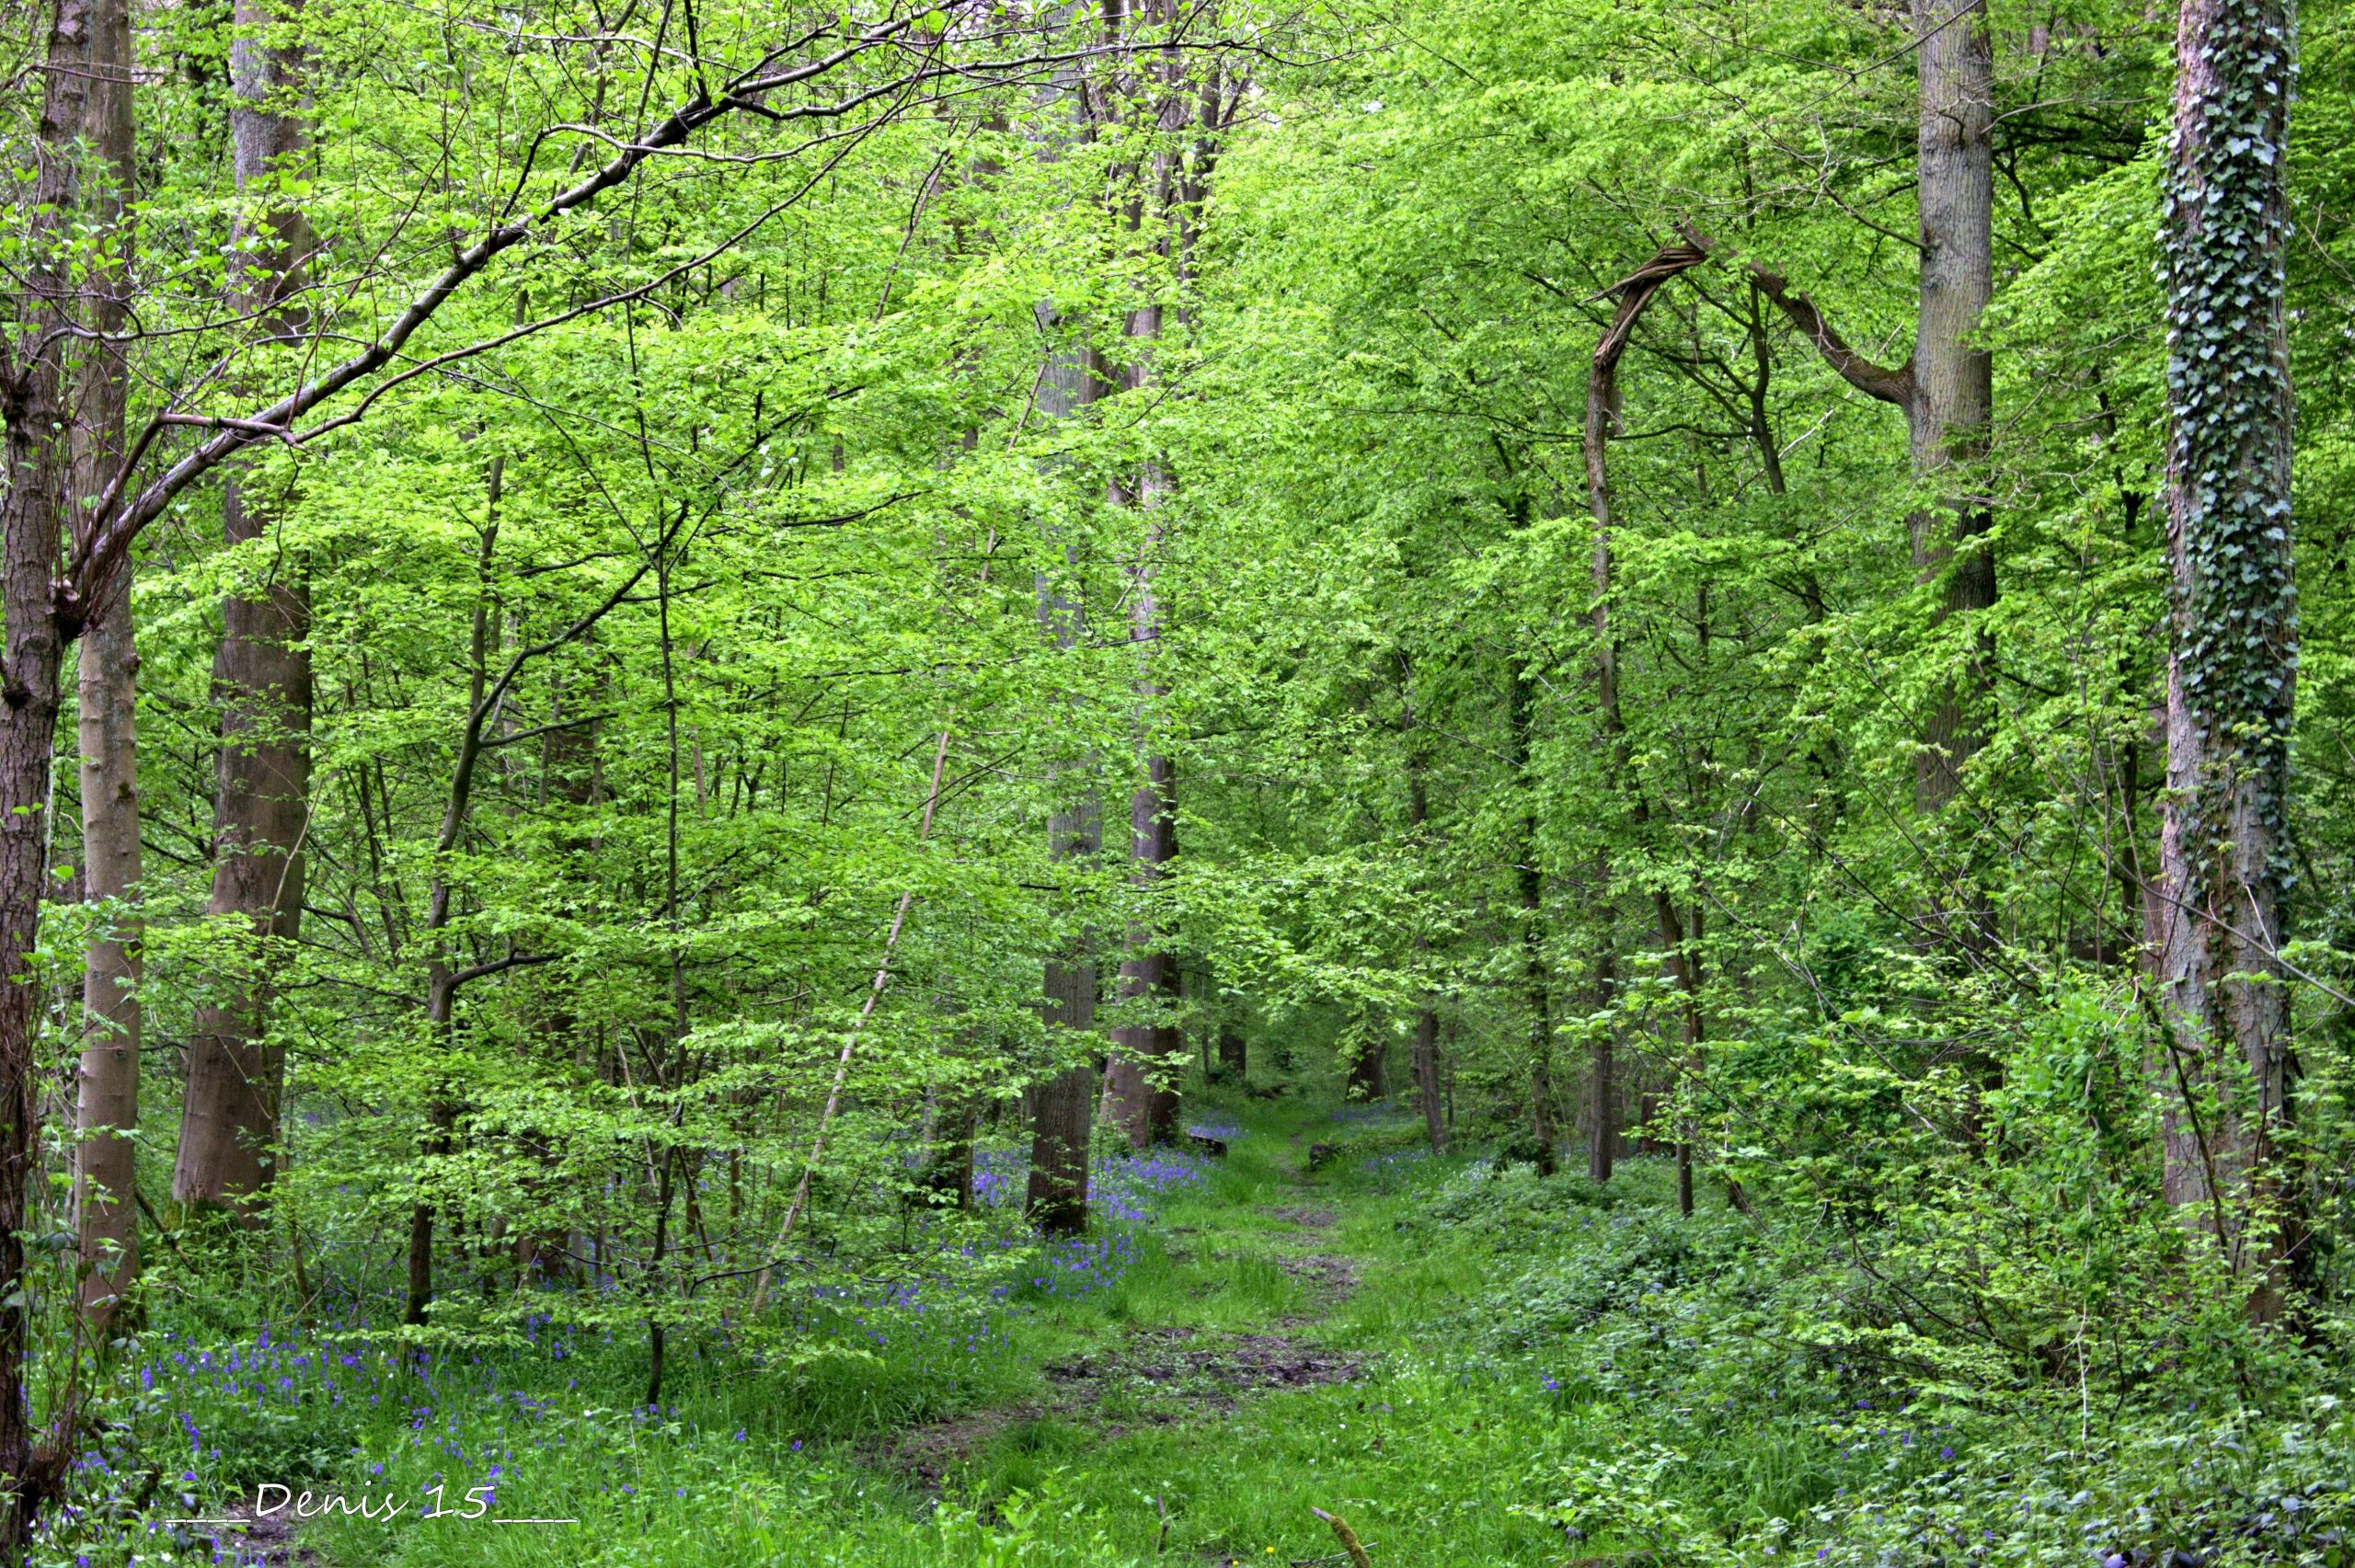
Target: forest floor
x: 1473, y: 1367
x: 1257, y: 1346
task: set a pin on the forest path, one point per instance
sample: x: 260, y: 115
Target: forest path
x: 1205, y: 1371
x: 1254, y: 1284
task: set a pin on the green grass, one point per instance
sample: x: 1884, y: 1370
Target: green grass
x: 1536, y: 1356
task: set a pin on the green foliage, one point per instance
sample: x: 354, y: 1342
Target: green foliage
x: 716, y: 606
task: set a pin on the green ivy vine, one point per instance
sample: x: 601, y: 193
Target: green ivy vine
x: 2228, y: 384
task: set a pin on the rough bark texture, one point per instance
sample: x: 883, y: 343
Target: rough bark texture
x: 107, y: 1092
x: 261, y: 677
x: 2233, y: 655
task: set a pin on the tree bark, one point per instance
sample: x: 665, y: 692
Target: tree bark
x: 1064, y: 1105
x: 1233, y: 1052
x: 1369, y: 1064
x: 1635, y: 293
x: 441, y: 978
x: 1424, y: 1058
x: 36, y: 409
x: 2233, y: 652
x: 1139, y: 1087
x: 1529, y: 879
x: 1684, y: 963
x: 107, y: 1101
x: 1953, y: 381
x: 261, y: 677
x: 1603, y: 1095
x: 1945, y: 385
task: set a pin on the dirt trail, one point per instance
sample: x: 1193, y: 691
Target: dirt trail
x: 1177, y: 1374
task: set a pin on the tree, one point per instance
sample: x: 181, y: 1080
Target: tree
x: 107, y: 1110
x: 1945, y: 384
x: 2233, y: 653
x: 262, y: 672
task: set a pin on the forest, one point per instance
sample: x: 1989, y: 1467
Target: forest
x: 1366, y: 783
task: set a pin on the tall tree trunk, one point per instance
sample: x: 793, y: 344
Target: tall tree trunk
x: 1684, y: 963
x: 442, y: 979
x: 568, y: 775
x: 2233, y: 656
x: 87, y: 44
x: 1635, y: 293
x: 1602, y: 1093
x: 261, y: 677
x: 1138, y: 1089
x: 1529, y: 878
x: 1424, y: 1059
x: 1946, y: 386
x: 107, y: 1101
x: 1953, y: 381
x: 29, y: 519
x: 1369, y: 1063
x: 1426, y: 1085
x: 1062, y: 1106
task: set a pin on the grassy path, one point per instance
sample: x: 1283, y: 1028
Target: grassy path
x: 1273, y: 1354
x: 1274, y: 1340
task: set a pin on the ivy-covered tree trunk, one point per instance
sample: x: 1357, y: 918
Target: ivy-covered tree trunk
x: 2231, y: 661
x: 261, y: 677
x: 107, y: 1102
